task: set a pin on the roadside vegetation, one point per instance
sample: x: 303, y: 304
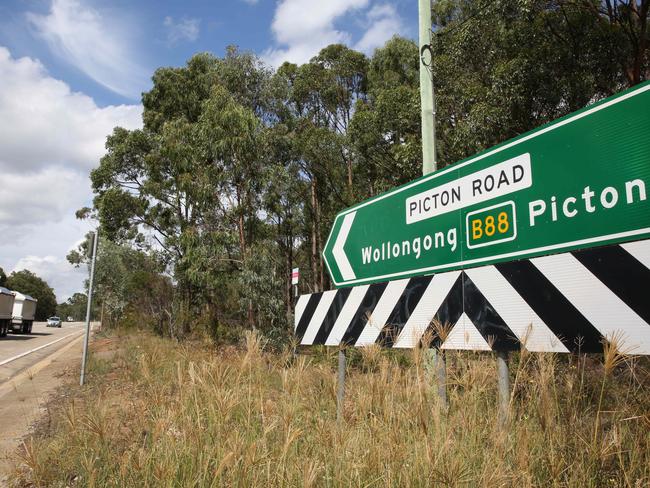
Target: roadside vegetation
x: 156, y: 413
x: 26, y: 282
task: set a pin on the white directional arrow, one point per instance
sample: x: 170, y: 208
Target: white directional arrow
x: 338, y: 252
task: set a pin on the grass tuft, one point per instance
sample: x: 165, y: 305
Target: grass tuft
x: 161, y: 414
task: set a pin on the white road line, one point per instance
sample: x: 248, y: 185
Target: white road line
x: 2, y: 363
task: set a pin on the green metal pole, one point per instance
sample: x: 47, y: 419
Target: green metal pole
x: 426, y: 92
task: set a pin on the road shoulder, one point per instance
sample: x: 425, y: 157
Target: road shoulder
x: 24, y: 399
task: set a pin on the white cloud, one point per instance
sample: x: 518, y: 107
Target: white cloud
x: 29, y: 199
x: 50, y: 137
x: 304, y: 27
x: 182, y: 30
x: 64, y: 278
x: 383, y: 23
x: 95, y: 44
x: 301, y: 28
x: 43, y: 123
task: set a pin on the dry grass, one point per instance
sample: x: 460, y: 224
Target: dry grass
x: 157, y: 414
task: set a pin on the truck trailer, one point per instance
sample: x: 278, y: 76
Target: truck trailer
x: 23, y: 313
x: 6, y: 309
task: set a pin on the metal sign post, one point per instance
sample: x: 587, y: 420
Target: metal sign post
x: 427, y: 98
x: 503, y: 381
x: 295, y: 278
x: 95, y: 238
x: 340, y: 392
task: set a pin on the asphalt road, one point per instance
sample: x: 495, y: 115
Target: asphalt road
x: 32, y: 368
x: 18, y: 352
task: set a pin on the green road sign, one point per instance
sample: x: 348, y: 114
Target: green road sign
x: 580, y: 181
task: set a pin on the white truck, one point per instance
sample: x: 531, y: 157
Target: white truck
x: 23, y: 313
x: 6, y: 309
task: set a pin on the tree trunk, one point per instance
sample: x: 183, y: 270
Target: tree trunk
x: 321, y: 265
x: 250, y: 316
x: 349, y: 163
x: 242, y: 237
x: 289, y: 268
x: 642, y: 14
x: 314, y: 239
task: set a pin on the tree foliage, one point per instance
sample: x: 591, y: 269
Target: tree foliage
x: 28, y: 283
x: 129, y: 283
x: 74, y: 307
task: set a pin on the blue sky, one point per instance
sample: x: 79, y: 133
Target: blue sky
x: 71, y: 70
x: 109, y: 49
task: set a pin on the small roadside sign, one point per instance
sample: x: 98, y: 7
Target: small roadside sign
x: 295, y: 276
x: 577, y: 182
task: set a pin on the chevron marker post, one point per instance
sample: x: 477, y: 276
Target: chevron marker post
x: 569, y: 302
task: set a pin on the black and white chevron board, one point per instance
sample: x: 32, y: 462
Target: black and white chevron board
x: 568, y: 302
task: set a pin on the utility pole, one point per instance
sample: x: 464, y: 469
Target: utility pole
x: 93, y: 246
x: 435, y: 358
x: 427, y: 96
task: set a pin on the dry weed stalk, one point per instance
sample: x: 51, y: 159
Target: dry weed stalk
x: 614, y: 353
x: 441, y: 330
x: 202, y: 418
x: 371, y: 356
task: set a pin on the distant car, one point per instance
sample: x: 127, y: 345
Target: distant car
x: 54, y: 322
x: 70, y: 319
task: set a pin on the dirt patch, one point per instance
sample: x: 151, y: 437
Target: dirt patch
x: 105, y: 348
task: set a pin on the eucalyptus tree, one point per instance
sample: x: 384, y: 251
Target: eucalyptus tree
x: 27, y: 282
x: 502, y: 68
x: 284, y: 202
x: 625, y: 23
x: 317, y: 106
x: 385, y: 129
x: 193, y: 163
x: 130, y: 286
